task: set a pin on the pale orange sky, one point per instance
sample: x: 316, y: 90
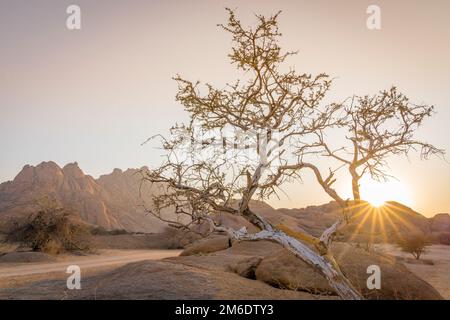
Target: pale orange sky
x: 95, y: 94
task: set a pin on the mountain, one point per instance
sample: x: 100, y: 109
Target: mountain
x: 111, y: 201
x: 440, y: 222
x: 114, y: 201
x: 386, y: 223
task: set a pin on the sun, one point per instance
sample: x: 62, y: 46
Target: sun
x: 377, y: 193
x: 376, y: 201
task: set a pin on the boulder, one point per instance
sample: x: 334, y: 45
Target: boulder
x: 261, y: 248
x: 113, y: 201
x: 207, y: 245
x: 284, y: 270
x: 235, y: 222
x: 246, y: 267
x: 157, y: 280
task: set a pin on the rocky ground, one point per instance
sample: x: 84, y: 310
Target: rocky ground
x: 210, y: 269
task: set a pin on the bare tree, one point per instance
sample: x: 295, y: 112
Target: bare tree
x: 277, y: 120
x: 272, y: 110
x: 378, y: 127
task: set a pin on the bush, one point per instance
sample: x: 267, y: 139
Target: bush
x: 51, y: 230
x: 414, y: 244
x: 117, y: 232
x: 100, y: 231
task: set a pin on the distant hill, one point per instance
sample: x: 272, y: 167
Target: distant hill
x: 111, y: 201
x: 384, y: 224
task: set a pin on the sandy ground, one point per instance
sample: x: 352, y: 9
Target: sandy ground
x: 15, y: 274
x: 147, y: 279
x: 438, y: 274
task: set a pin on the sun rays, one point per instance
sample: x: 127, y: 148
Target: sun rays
x: 377, y: 193
x: 380, y: 224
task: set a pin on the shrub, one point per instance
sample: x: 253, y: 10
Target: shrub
x: 117, y: 232
x: 100, y: 231
x: 414, y: 244
x: 52, y: 230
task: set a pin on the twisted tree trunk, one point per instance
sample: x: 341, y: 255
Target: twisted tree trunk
x: 355, y: 183
x: 321, y: 261
x: 325, y: 265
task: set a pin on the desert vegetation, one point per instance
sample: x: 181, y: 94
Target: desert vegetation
x: 50, y: 230
x: 414, y: 244
x: 248, y: 140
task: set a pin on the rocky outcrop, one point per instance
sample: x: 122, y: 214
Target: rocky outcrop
x: 440, y: 223
x: 246, y: 267
x: 268, y: 262
x: 113, y: 201
x: 247, y: 270
x: 116, y: 201
x: 284, y: 270
x: 207, y: 245
x: 166, y: 279
x: 384, y: 224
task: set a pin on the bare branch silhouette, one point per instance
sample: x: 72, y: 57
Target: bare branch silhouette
x: 247, y: 140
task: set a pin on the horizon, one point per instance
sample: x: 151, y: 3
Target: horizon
x: 123, y: 170
x: 96, y: 94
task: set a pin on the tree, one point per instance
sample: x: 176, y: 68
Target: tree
x: 378, y: 127
x: 266, y: 113
x: 414, y: 244
x: 249, y: 139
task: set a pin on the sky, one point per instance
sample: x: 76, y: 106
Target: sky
x: 94, y: 95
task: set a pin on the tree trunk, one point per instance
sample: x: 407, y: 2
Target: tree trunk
x: 252, y: 185
x: 355, y: 184
x: 325, y: 265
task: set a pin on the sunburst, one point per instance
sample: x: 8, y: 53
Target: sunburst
x: 380, y: 221
x: 377, y: 193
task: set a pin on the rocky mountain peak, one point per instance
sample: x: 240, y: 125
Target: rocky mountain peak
x: 73, y: 170
x: 117, y: 171
x: 113, y: 201
x: 45, y: 172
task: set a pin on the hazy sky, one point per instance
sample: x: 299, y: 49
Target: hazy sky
x: 93, y: 95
